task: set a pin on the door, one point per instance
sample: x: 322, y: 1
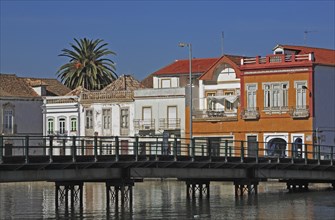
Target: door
x: 172, y: 117
x: 146, y: 117
x: 252, y: 145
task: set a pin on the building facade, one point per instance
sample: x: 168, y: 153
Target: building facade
x: 279, y: 105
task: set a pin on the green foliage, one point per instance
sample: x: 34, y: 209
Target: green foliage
x: 89, y: 66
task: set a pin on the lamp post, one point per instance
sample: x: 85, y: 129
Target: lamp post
x: 190, y: 90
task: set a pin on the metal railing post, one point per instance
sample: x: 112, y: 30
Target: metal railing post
x: 209, y: 148
x: 242, y: 151
x: 319, y: 154
x: 101, y: 148
x: 73, y: 149
x: 50, y: 148
x: 117, y: 146
x: 292, y: 153
x: 306, y: 154
x: 193, y: 148
x: 331, y: 155
x: 226, y: 150
x: 1, y: 149
x: 136, y: 148
x: 27, y: 149
x: 95, y: 148
x: 175, y: 148
x: 257, y: 151
x: 82, y: 147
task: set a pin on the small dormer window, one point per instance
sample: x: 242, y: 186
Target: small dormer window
x: 278, y: 50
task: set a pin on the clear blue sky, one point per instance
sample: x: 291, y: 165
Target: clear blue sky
x: 145, y: 34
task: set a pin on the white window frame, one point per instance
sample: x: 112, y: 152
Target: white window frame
x: 106, y: 118
x: 89, y: 119
x: 301, y: 94
x: 124, y: 119
x: 51, y: 124
x: 253, y: 94
x: 73, y: 124
x: 275, y: 95
x: 62, y: 125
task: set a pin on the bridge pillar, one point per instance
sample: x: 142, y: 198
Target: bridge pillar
x: 68, y: 188
x: 194, y: 187
x: 120, y: 193
x: 297, y: 185
x: 246, y: 185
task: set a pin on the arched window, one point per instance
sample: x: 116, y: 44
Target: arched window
x: 51, y: 128
x: 61, y: 126
x: 73, y: 124
x: 224, y: 72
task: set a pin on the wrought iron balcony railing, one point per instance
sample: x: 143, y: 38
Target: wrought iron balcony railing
x: 250, y: 113
x: 144, y: 124
x: 169, y: 123
x: 299, y: 111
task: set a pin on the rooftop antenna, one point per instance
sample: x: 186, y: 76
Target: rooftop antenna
x: 306, y: 32
x: 222, y: 38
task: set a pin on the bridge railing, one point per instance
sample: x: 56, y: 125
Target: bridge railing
x: 117, y: 146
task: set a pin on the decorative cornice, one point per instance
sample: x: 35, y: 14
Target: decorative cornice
x: 276, y: 71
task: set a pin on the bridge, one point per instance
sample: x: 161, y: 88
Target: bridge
x: 120, y: 162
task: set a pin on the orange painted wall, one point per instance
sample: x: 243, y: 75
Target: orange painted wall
x: 280, y: 123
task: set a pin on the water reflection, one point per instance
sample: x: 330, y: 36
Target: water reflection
x: 167, y: 200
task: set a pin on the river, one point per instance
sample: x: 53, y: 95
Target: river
x: 155, y: 199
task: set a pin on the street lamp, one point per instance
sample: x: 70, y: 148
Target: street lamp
x: 306, y: 88
x: 190, y: 90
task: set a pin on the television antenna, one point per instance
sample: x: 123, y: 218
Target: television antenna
x: 306, y: 32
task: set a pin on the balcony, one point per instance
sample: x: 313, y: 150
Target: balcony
x: 277, y: 58
x: 95, y: 96
x: 250, y: 113
x: 144, y: 124
x: 214, y: 115
x: 61, y: 133
x: 169, y: 123
x: 8, y: 129
x: 299, y: 112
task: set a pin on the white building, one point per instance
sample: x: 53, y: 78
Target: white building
x: 21, y: 113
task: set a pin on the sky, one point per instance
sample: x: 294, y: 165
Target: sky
x: 145, y: 34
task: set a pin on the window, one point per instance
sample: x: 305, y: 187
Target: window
x: 50, y: 126
x: 166, y: 83
x: 106, y: 116
x: 275, y: 95
x: 8, y: 119
x: 89, y: 119
x: 300, y: 94
x: 251, y: 96
x: 228, y: 105
x: 124, y: 118
x: 73, y: 124
x: 210, y: 103
x: 61, y: 124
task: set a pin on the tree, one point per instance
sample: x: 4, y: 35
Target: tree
x: 88, y: 66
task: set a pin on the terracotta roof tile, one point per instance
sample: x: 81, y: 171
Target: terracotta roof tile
x: 125, y: 82
x: 53, y: 86
x: 13, y: 86
x: 321, y: 55
x: 199, y: 65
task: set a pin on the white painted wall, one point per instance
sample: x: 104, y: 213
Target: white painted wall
x: 159, y: 100
x: 157, y: 81
x: 27, y: 115
x: 115, y: 118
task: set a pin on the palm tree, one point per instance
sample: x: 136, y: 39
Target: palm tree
x: 88, y: 66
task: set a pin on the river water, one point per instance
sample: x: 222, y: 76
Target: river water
x: 155, y: 199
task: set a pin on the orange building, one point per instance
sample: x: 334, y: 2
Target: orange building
x: 287, y: 97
